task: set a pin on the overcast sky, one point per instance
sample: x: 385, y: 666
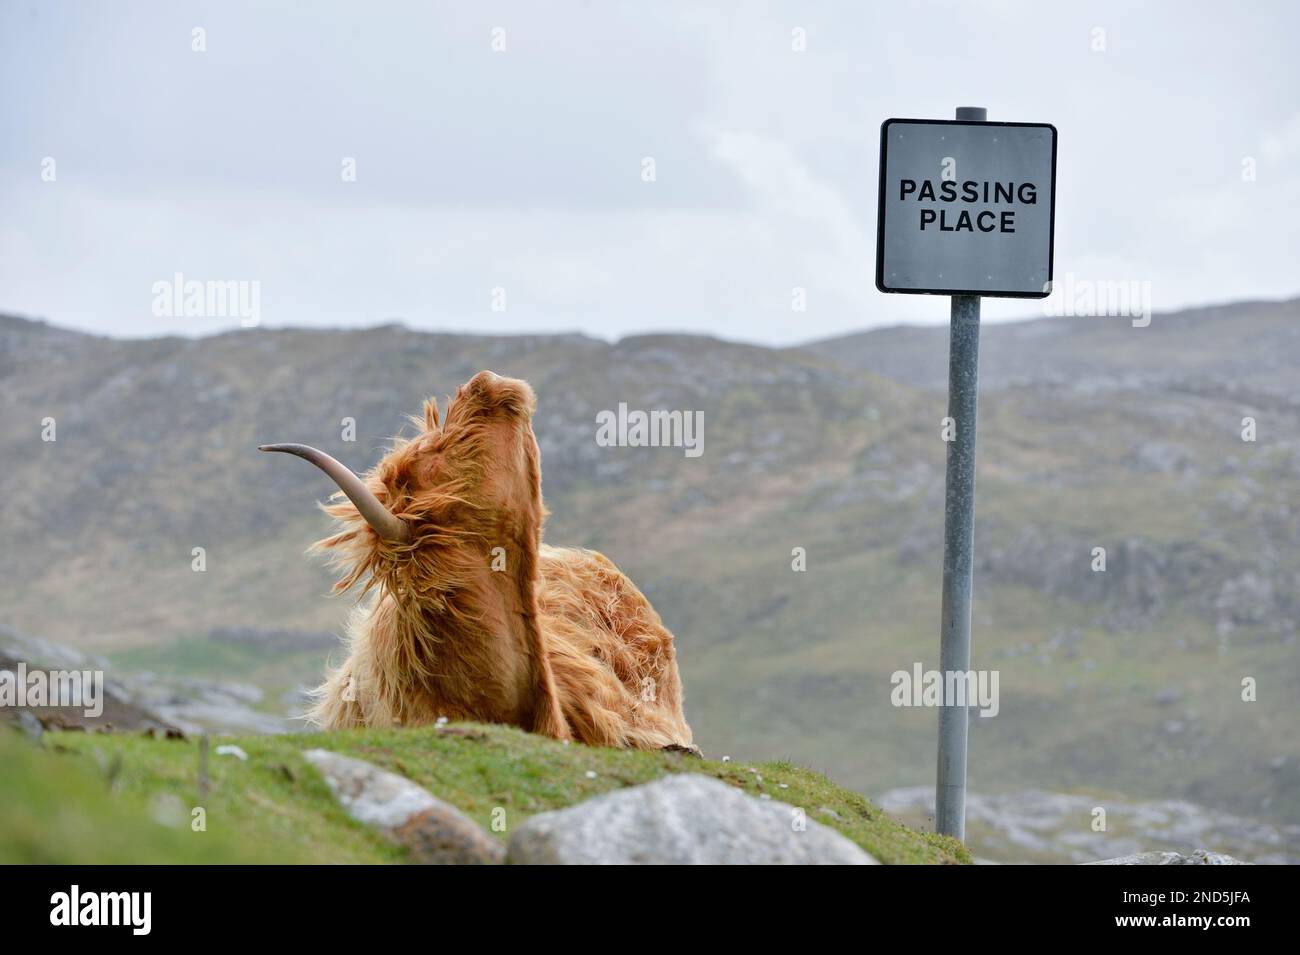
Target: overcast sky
x: 522, y: 170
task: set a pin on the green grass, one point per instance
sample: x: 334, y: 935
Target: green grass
x: 88, y: 797
x: 59, y: 809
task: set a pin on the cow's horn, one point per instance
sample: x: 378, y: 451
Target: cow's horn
x: 386, y: 524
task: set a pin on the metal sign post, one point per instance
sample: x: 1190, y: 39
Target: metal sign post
x: 958, y: 548
x: 967, y: 209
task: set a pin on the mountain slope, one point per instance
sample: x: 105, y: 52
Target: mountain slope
x: 1127, y: 680
x: 1251, y: 346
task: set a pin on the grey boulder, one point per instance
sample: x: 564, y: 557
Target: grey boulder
x: 685, y: 819
x: 435, y: 833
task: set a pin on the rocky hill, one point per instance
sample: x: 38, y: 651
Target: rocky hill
x: 1093, y: 433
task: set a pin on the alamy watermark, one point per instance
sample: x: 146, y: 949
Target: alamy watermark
x: 228, y: 298
x: 1099, y: 299
x: 921, y: 687
x: 651, y: 429
x: 21, y: 687
x: 131, y: 909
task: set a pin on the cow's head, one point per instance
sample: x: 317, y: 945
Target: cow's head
x: 426, y: 522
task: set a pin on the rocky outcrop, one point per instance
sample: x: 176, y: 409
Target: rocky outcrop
x: 118, y: 713
x: 140, y: 700
x: 435, y: 833
x: 1038, y: 826
x: 1199, y: 857
x: 685, y: 819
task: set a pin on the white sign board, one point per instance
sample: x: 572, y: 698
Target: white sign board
x: 966, y: 208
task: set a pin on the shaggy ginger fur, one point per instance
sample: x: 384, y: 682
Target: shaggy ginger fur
x: 558, y: 642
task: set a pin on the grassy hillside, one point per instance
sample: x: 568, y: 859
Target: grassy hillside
x: 94, y: 798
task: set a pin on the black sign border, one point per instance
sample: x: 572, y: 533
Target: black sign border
x: 880, y: 214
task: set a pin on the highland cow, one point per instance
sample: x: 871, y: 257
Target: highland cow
x: 469, y: 615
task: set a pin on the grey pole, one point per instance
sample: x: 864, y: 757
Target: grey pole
x: 958, y: 547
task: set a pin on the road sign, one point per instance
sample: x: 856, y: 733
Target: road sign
x: 966, y: 208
